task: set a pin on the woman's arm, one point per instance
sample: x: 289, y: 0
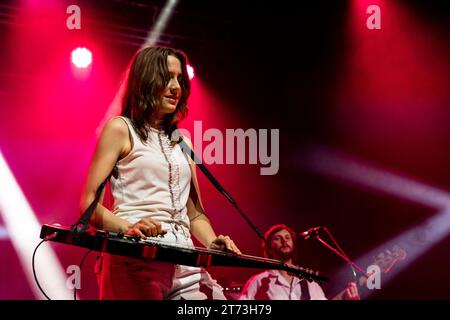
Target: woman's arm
x: 199, y: 223
x: 114, y: 143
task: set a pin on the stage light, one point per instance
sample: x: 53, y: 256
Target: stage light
x: 81, y: 57
x: 190, y: 71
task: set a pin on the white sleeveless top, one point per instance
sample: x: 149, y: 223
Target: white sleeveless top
x: 153, y: 180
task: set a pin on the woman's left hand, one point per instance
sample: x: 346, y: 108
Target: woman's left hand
x: 224, y: 243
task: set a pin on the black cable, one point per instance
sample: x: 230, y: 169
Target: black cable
x: 34, y: 270
x: 80, y: 266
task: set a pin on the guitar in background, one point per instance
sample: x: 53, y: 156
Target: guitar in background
x: 385, y: 260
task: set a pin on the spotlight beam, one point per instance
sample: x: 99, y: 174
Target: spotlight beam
x: 415, y: 241
x: 23, y: 230
x: 152, y: 39
x: 342, y: 167
x: 161, y: 23
x: 3, y: 233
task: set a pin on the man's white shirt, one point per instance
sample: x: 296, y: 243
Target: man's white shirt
x: 271, y: 285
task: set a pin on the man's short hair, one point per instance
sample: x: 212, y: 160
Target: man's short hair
x: 269, y: 234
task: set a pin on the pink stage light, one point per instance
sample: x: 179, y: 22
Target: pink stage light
x: 190, y: 71
x: 81, y: 57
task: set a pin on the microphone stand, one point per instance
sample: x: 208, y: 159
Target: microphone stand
x: 340, y: 252
x: 187, y: 150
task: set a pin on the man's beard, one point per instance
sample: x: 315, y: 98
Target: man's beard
x: 285, y: 255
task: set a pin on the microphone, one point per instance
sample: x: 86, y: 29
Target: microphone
x: 175, y: 135
x: 312, y: 232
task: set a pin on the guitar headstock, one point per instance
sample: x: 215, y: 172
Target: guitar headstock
x: 387, y: 258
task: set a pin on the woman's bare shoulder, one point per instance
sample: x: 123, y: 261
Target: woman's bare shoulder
x: 116, y: 126
x: 115, y: 136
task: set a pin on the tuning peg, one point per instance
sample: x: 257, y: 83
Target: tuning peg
x: 399, y: 252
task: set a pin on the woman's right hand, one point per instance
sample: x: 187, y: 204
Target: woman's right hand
x: 144, y: 228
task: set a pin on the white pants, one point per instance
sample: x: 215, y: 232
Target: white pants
x: 124, y: 278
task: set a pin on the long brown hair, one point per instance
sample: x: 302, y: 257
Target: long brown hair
x: 147, y: 78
